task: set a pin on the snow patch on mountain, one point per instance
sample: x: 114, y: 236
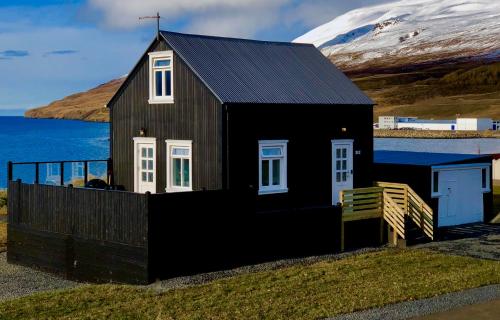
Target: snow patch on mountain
x: 418, y: 30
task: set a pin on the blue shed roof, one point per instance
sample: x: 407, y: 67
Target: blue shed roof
x: 422, y: 158
x: 250, y: 71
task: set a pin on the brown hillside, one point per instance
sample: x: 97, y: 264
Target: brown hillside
x: 89, y: 105
x: 433, y: 90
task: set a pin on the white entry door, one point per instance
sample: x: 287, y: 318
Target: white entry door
x: 342, y: 167
x: 145, y: 165
x: 461, y: 198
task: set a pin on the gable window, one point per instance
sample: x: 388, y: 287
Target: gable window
x: 273, y: 166
x: 161, y: 77
x: 179, y: 166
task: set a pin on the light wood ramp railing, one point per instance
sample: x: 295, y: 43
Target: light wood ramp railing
x: 391, y: 202
x: 412, y: 204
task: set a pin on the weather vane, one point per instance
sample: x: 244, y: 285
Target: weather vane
x: 157, y: 17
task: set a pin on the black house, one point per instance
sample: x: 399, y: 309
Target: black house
x: 228, y: 151
x: 210, y: 113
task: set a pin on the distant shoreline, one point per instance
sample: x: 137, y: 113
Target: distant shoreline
x: 434, y: 134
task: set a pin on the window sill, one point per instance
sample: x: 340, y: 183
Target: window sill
x: 273, y: 191
x: 161, y: 101
x: 172, y: 190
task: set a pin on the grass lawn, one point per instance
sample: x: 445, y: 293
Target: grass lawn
x: 496, y: 203
x: 300, y: 292
x: 3, y: 202
x: 3, y: 234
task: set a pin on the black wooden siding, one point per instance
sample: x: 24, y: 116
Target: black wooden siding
x: 309, y: 130
x: 196, y: 115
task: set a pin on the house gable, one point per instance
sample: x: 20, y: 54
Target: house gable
x: 195, y: 114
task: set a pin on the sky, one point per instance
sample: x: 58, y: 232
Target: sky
x: 53, y: 48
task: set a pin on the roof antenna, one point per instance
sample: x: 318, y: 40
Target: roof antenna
x: 157, y: 17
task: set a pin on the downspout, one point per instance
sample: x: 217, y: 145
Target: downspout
x: 226, y: 142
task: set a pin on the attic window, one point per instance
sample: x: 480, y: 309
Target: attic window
x: 161, y: 77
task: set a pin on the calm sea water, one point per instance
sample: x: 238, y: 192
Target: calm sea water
x: 469, y: 146
x: 24, y: 140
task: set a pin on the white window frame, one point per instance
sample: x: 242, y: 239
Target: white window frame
x: 181, y: 144
x: 139, y: 140
x: 282, y: 187
x: 153, y: 99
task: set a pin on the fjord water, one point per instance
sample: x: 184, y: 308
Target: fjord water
x: 23, y: 140
x: 468, y: 146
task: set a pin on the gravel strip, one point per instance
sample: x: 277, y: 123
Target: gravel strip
x: 17, y: 281
x: 408, y: 309
x: 478, y: 241
x: 189, y: 281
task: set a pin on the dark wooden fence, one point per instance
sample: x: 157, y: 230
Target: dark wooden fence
x: 104, y: 235
x: 85, y: 234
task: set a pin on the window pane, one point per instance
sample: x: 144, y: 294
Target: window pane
x: 162, y: 63
x: 176, y: 172
x: 180, y: 152
x: 185, y: 169
x: 150, y: 177
x: 344, y: 153
x: 344, y: 164
x: 150, y: 153
x: 265, y: 172
x: 143, y: 166
x: 338, y: 177
x: 338, y: 165
x: 168, y: 83
x: 344, y: 176
x: 150, y: 164
x: 276, y: 172
x: 435, y: 186
x: 483, y: 178
x: 338, y: 153
x: 144, y: 176
x: 158, y: 82
x: 267, y: 152
x: 143, y: 152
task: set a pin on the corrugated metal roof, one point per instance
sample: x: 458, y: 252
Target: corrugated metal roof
x: 422, y: 158
x: 250, y: 71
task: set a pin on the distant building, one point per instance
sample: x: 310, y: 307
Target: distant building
x: 496, y: 124
x: 466, y: 124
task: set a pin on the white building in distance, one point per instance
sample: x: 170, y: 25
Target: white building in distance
x: 465, y: 124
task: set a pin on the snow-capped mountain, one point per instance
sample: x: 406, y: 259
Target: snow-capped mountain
x: 410, y: 31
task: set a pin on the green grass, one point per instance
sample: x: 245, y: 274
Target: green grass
x: 3, y: 202
x: 496, y: 202
x: 300, y: 292
x: 3, y: 234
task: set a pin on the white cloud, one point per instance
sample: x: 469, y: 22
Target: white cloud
x: 125, y: 13
x: 38, y: 78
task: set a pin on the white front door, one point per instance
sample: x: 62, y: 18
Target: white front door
x: 342, y: 167
x: 145, y: 165
x: 461, y: 198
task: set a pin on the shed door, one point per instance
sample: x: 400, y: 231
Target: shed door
x: 461, y: 198
x: 342, y: 168
x: 145, y: 169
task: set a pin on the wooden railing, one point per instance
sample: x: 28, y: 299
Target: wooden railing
x: 361, y: 204
x: 388, y: 201
x: 394, y: 214
x: 412, y: 204
x: 420, y: 213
